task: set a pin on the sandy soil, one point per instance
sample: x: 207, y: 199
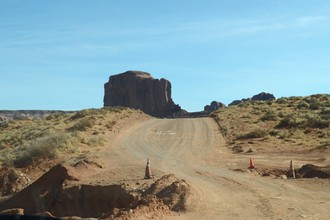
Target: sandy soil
x: 222, y: 186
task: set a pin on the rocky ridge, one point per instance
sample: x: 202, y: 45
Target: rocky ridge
x: 263, y: 96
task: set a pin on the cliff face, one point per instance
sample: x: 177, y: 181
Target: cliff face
x: 139, y: 90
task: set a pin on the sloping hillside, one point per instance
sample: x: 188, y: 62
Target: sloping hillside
x: 59, y: 136
x: 294, y: 124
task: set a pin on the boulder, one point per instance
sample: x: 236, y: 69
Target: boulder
x: 214, y: 106
x: 139, y: 90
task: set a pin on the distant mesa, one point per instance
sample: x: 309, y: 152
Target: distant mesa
x: 214, y: 106
x: 139, y: 90
x: 264, y: 96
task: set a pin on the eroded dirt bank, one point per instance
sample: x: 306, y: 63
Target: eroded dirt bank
x: 59, y: 193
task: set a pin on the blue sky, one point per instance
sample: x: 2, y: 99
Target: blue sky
x: 58, y: 54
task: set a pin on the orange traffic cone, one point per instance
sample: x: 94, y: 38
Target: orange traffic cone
x: 292, y: 172
x: 251, y: 164
x: 148, y: 171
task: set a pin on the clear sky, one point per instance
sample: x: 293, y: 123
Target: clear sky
x: 58, y: 54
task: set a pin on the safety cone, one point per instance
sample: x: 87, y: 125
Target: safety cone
x: 148, y: 171
x: 251, y: 164
x: 292, y: 172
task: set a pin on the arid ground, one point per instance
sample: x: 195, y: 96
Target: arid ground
x: 222, y: 185
x: 212, y: 180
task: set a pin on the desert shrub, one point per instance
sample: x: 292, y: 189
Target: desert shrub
x: 289, y: 121
x: 315, y: 106
x: 258, y: 133
x: 269, y: 116
x: 116, y: 109
x: 95, y: 141
x: 273, y: 132
x: 44, y: 147
x: 313, y: 102
x: 281, y: 114
x: 282, y: 101
x: 303, y: 104
x: 325, y: 114
x: 55, y: 116
x: 269, y: 103
x: 80, y: 114
x: 4, y: 124
x: 81, y: 125
x: 317, y: 122
x: 6, y: 159
x: 244, y: 104
x: 110, y: 124
x: 87, y: 112
x: 284, y: 134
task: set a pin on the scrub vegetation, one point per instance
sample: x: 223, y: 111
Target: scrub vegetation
x: 295, y: 123
x: 28, y: 141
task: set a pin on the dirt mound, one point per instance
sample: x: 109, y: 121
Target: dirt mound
x: 90, y: 201
x: 311, y: 171
x: 55, y: 194
x: 148, y: 207
x: 165, y: 195
x: 12, y: 181
x: 42, y: 193
x: 171, y: 191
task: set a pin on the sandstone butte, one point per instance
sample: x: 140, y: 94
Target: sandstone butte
x: 139, y: 90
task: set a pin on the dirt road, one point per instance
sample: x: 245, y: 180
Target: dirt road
x: 194, y: 150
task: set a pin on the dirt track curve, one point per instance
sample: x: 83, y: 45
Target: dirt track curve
x: 194, y: 150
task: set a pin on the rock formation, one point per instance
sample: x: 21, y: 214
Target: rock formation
x: 263, y: 97
x: 214, y: 106
x: 139, y: 90
x: 259, y: 97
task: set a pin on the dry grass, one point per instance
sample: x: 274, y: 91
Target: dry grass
x: 287, y: 124
x: 23, y: 142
